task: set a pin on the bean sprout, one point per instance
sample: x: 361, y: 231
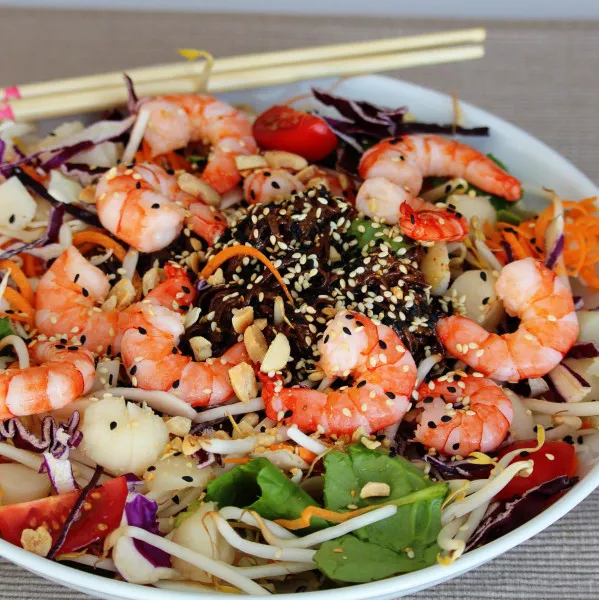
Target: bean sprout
x: 215, y: 567
x: 493, y: 487
x: 130, y: 263
x: 249, y: 518
x: 91, y: 561
x: 20, y: 349
x: 485, y: 252
x: 564, y: 409
x: 445, y: 189
x: 137, y: 134
x: 239, y: 408
x: 301, y: 439
x: 240, y: 446
x: 260, y: 550
x: 275, y: 569
x: 163, y: 401
x: 29, y: 459
x: 565, y: 426
x: 425, y: 367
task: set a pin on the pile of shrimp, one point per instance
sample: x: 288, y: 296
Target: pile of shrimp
x: 98, y: 322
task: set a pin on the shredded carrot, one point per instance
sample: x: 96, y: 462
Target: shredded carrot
x: 20, y: 279
x: 99, y: 239
x: 15, y: 317
x: 302, y: 452
x: 21, y: 304
x: 29, y: 170
x: 224, y: 255
x: 32, y: 266
x: 236, y: 460
x: 581, y: 231
x: 322, y: 513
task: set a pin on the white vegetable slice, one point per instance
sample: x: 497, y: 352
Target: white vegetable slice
x: 482, y: 305
x: 200, y: 534
x: 19, y: 483
x: 435, y: 268
x: 589, y: 325
x: 176, y: 473
x: 479, y: 206
x: 122, y: 436
x: 17, y: 206
x: 62, y: 188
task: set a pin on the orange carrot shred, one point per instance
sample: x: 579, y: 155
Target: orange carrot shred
x: 224, y: 255
x: 236, y: 460
x: 21, y: 304
x: 99, y: 239
x: 20, y: 279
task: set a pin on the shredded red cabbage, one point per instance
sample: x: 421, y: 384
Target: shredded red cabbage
x: 459, y: 469
x: 578, y: 303
x: 141, y: 512
x: 74, y: 514
x: 365, y: 124
x: 132, y: 99
x: 60, y: 473
x: 510, y: 514
x: 556, y: 252
x: 584, y: 350
x: 55, y: 438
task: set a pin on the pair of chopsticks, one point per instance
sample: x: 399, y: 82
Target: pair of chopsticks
x: 104, y: 91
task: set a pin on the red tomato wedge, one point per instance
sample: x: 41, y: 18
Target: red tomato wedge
x: 283, y: 128
x: 101, y: 514
x: 554, y: 459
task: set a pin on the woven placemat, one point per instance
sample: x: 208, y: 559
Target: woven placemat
x: 544, y: 77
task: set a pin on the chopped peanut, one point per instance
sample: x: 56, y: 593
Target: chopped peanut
x: 255, y: 343
x: 178, y: 425
x: 278, y: 354
x: 196, y: 187
x: 255, y: 161
x: 375, y: 489
x: 202, y: 348
x: 243, y: 381
x: 242, y: 319
x: 285, y: 160
x: 38, y: 541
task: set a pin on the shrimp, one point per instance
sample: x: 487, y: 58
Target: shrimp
x: 264, y: 186
x: 383, y: 371
x: 394, y: 170
x: 144, y: 207
x: 463, y: 414
x: 67, y: 297
x: 175, y: 121
x: 408, y: 160
x: 418, y: 219
x: 62, y: 375
x: 151, y: 333
x: 548, y: 326
x: 338, y: 184
x: 176, y: 291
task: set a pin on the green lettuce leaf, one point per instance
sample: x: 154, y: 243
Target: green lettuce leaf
x: 259, y: 485
x: 408, y: 538
x: 5, y: 327
x: 364, y: 232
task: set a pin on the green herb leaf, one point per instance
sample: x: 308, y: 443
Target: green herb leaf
x: 411, y: 532
x: 365, y: 233
x: 361, y: 562
x: 508, y: 216
x: 259, y: 485
x: 5, y: 327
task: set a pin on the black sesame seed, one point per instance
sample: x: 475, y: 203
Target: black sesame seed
x: 524, y: 453
x: 83, y: 339
x: 428, y: 400
x: 266, y: 173
x: 382, y: 345
x: 187, y: 478
x: 486, y: 300
x: 60, y: 346
x: 186, y: 289
x: 73, y: 348
x: 110, y: 379
x: 326, y: 339
x: 347, y: 331
x: 452, y: 389
x: 175, y: 498
x: 155, y: 205
x: 151, y: 468
x: 109, y: 349
x: 533, y: 240
x: 569, y: 439
x: 361, y: 384
x: 177, y: 453
x: 432, y: 425
x: 390, y: 395
x: 448, y: 188
x: 580, y: 439
x: 138, y: 185
x: 287, y: 414
x: 483, y: 276
x: 253, y: 194
x: 535, y: 428
x: 412, y: 219
x: 142, y: 330
x: 456, y: 446
x: 176, y: 383
x: 275, y: 185
x: 133, y: 370
x: 12, y: 219
x: 84, y: 292
x: 113, y: 425
x: 445, y: 418
x: 350, y: 317
x: 76, y: 278
x: 174, y: 350
x: 170, y: 171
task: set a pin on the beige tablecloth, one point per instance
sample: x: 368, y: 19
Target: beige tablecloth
x: 542, y: 76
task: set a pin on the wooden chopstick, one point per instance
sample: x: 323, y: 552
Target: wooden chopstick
x: 62, y: 104
x: 247, y: 62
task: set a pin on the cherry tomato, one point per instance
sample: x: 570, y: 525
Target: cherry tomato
x: 283, y: 128
x: 554, y: 459
x: 100, y: 515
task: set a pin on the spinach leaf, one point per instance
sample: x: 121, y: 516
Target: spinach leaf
x: 352, y: 560
x: 259, y: 485
x: 403, y: 542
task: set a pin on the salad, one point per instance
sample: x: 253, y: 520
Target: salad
x: 283, y: 352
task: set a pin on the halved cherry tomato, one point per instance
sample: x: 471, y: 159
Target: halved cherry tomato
x: 554, y: 459
x: 283, y: 128
x: 100, y: 515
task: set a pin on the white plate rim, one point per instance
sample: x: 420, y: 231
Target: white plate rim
x: 400, y: 584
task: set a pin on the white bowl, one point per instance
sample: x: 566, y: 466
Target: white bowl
x: 527, y: 158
